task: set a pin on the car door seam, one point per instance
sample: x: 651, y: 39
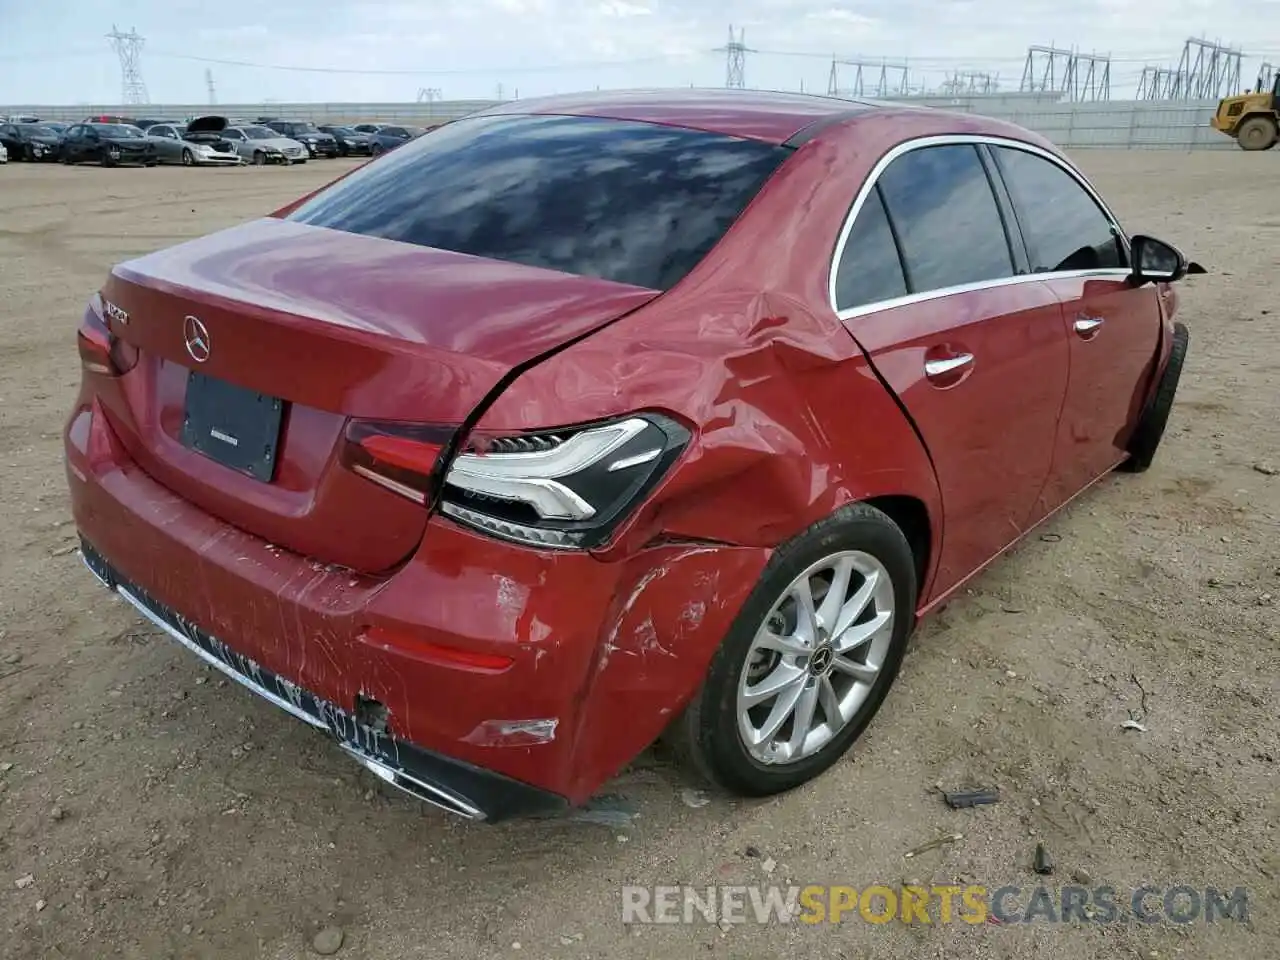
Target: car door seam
x: 897, y: 240
x: 1062, y: 402
x: 1019, y: 252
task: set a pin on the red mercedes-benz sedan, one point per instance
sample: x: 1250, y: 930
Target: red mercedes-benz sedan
x: 586, y: 420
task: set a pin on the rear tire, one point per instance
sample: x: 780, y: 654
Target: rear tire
x: 1257, y: 133
x: 1151, y: 425
x: 722, y: 733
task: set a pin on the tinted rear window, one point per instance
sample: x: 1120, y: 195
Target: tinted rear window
x: 631, y: 202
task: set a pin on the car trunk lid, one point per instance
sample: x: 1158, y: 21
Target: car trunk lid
x: 315, y: 327
x: 208, y: 130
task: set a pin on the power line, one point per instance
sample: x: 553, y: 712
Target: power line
x: 466, y: 71
x: 1205, y: 71
x: 128, y: 47
x: 883, y: 79
x: 735, y: 56
x: 1077, y: 76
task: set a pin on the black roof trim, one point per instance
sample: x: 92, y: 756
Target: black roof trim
x: 807, y: 133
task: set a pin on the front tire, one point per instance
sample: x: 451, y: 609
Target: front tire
x: 106, y: 159
x: 188, y: 158
x: 1151, y: 425
x: 809, y: 659
x: 1257, y: 133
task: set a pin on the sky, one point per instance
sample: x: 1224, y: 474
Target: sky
x: 56, y: 51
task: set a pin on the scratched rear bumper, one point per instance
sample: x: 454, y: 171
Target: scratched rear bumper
x: 450, y: 784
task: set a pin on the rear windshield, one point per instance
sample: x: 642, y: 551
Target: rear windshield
x: 632, y: 202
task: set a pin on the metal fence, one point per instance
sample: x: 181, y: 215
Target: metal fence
x: 1118, y: 124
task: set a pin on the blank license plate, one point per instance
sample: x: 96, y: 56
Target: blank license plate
x: 234, y: 426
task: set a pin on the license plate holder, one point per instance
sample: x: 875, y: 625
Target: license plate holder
x: 230, y: 425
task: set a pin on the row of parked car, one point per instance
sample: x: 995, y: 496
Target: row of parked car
x: 201, y: 141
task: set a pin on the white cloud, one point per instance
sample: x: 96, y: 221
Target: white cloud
x: 620, y: 8
x: 842, y: 16
x: 467, y: 47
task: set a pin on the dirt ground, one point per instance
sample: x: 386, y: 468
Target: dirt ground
x: 150, y: 809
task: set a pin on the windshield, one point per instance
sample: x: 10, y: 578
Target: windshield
x: 301, y: 128
x: 36, y: 130
x: 637, y: 203
x: 343, y: 131
x: 120, y: 130
x: 260, y: 133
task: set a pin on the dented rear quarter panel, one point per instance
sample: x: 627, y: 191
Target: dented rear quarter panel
x: 790, y: 423
x: 790, y: 420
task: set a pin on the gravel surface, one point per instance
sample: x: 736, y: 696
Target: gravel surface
x: 149, y: 809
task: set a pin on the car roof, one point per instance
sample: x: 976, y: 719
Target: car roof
x: 753, y: 114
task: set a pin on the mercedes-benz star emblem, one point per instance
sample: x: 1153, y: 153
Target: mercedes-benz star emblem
x: 821, y: 661
x: 197, y: 339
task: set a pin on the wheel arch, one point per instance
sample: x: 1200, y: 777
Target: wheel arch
x: 1254, y: 115
x: 912, y: 517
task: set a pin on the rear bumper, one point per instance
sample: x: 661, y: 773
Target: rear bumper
x: 454, y: 786
x: 593, y: 658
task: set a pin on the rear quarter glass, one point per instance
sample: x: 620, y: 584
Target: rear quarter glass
x: 631, y: 202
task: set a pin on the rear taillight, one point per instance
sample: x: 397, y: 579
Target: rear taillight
x: 101, y: 351
x: 402, y: 457
x: 568, y: 489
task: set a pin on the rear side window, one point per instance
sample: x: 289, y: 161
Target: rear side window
x: 944, y: 211
x: 632, y: 202
x: 1063, y: 226
x: 869, y: 270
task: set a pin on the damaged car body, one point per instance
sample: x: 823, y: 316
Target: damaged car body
x: 198, y: 143
x: 623, y: 416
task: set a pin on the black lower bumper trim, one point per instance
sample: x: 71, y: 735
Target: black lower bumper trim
x: 453, y: 785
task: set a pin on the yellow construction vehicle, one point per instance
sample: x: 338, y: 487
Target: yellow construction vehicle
x: 1253, y: 118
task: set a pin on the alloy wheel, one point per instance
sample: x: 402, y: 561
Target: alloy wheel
x: 816, y: 657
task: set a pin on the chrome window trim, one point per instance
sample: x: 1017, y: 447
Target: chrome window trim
x: 1114, y: 273
x: 947, y: 139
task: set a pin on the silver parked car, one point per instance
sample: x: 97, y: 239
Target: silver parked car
x: 261, y: 145
x: 198, y: 143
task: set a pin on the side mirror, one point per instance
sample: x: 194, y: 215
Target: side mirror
x: 1155, y: 261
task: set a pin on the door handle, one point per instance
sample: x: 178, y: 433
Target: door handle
x: 940, y: 368
x: 1086, y: 325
